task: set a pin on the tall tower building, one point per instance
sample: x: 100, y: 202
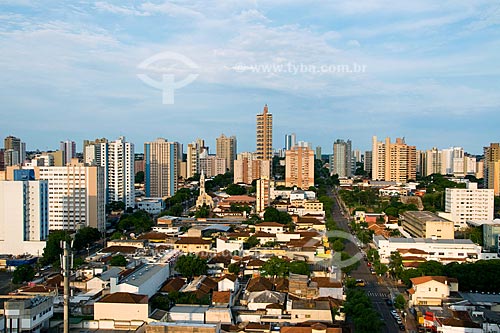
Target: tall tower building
x: 264, y: 135
x: 290, y: 141
x: 24, y: 219
x: 368, y: 162
x: 161, y: 167
x: 68, y: 148
x: 192, y: 164
x: 299, y: 167
x: 263, y: 194
x: 393, y: 161
x: 226, y: 149
x: 342, y: 162
x: 491, y: 166
x: 14, y: 151
x: 121, y: 175
x: 76, y: 195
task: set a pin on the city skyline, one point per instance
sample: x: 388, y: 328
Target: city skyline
x: 427, y: 69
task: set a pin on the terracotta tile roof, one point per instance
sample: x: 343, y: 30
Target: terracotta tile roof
x: 238, y: 234
x: 174, y: 284
x: 119, y: 248
x: 270, y: 224
x: 296, y: 329
x: 193, y: 240
x: 264, y: 234
x: 304, y: 219
x: 424, y: 279
x: 55, y: 281
x: 304, y: 242
x: 231, y: 277
x: 37, y: 289
x: 309, y: 233
x: 240, y: 198
x: 411, y: 251
x: 326, y: 282
x: 154, y: 236
x: 254, y: 326
x: 221, y: 297
x: 220, y: 259
x: 411, y: 291
x: 259, y: 284
x: 255, y: 263
x: 274, y: 306
x: 121, y: 297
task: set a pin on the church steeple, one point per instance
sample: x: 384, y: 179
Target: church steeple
x: 202, y: 182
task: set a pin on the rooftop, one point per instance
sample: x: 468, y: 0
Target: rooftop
x: 121, y: 297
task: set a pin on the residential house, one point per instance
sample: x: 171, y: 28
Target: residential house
x: 193, y: 245
x: 310, y: 310
x: 431, y: 290
x: 270, y: 227
x: 228, y: 282
x: 122, y: 306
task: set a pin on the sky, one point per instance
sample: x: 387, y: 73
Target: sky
x: 424, y: 70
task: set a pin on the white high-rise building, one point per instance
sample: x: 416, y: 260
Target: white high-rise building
x: 121, y: 174
x: 161, y: 167
x: 469, y: 204
x: 24, y: 221
x: 193, y: 163
x: 76, y: 196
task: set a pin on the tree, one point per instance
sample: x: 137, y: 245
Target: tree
x: 372, y: 255
x: 396, y: 265
x: 408, y: 274
x: 139, y: 221
x: 338, y: 245
x: 299, y: 267
x: 23, y: 273
x: 117, y: 235
x: 431, y: 268
x: 235, y: 189
x: 252, y: 241
x: 202, y: 212
x: 190, y: 265
x: 85, y: 236
x: 234, y: 268
x: 53, y: 249
x: 118, y: 260
x: 115, y: 206
x: 380, y: 268
x: 139, y: 177
x: 275, y: 267
x: 400, y: 302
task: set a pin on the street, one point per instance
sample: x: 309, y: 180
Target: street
x: 376, y: 289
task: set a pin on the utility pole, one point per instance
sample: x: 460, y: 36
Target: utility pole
x: 66, y: 267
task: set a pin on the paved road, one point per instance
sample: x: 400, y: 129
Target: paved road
x: 375, y: 289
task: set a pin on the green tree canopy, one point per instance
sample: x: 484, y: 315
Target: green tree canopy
x: 53, y: 248
x: 400, y: 302
x: 234, y: 189
x: 139, y: 177
x: 234, y: 268
x: 23, y: 273
x: 299, y: 267
x: 118, y: 260
x: 85, y: 236
x: 275, y: 267
x: 190, y: 265
x: 252, y: 241
x: 139, y: 221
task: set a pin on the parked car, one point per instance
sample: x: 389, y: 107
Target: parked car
x: 389, y: 302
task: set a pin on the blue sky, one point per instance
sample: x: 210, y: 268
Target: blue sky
x: 68, y: 70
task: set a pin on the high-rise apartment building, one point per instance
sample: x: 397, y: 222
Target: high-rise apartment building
x: 247, y: 168
x: 317, y: 154
x: 491, y: 167
x: 264, y: 135
x: 469, y: 204
x: 263, y: 194
x: 192, y: 160
x: 14, y: 151
x: 342, y: 160
x: 393, y: 161
x: 24, y: 219
x: 2, y: 160
x: 161, y: 167
x: 76, y: 195
x: 212, y: 165
x: 117, y: 159
x: 290, y: 141
x: 68, y: 148
x: 368, y: 162
x: 226, y: 149
x: 433, y: 162
x: 299, y: 167
x: 121, y: 175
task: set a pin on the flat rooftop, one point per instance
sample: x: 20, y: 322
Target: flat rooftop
x: 424, y: 216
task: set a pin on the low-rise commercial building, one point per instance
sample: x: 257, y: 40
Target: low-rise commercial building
x: 425, y: 224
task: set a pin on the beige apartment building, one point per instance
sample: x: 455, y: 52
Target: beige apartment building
x: 264, y: 135
x: 247, y: 168
x: 393, y: 161
x: 299, y: 167
x: 226, y: 149
x: 424, y: 224
x: 491, y: 166
x: 76, y: 195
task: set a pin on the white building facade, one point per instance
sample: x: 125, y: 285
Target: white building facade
x: 469, y: 204
x: 24, y: 219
